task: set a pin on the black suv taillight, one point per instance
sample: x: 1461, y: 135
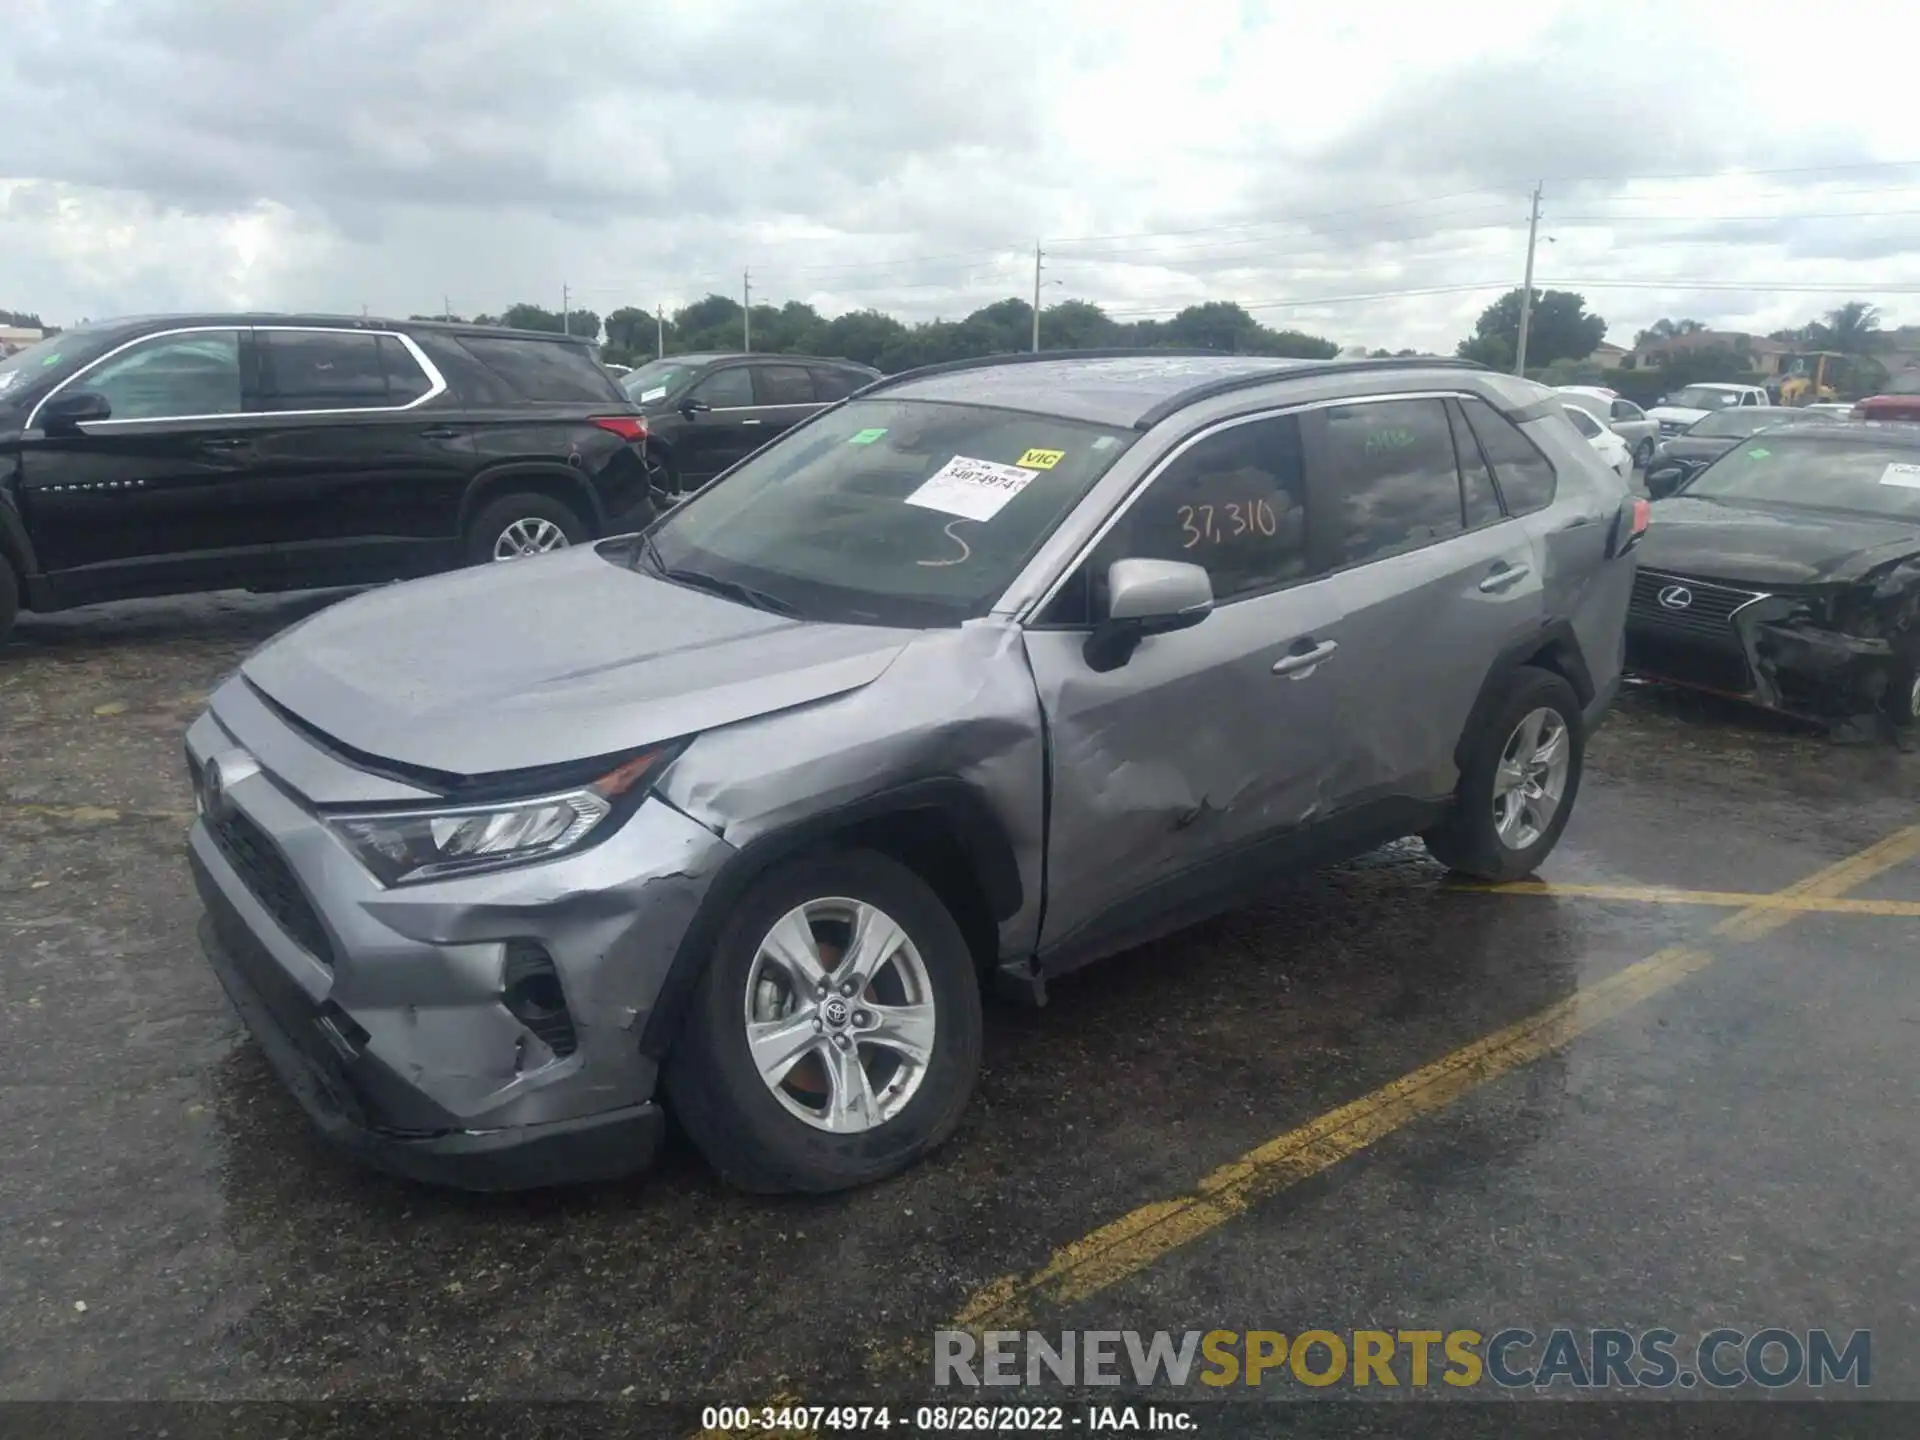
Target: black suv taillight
x: 631, y: 428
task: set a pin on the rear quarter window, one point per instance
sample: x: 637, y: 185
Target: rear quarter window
x: 1526, y: 477
x: 545, y: 370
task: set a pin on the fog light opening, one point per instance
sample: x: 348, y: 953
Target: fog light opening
x: 531, y: 991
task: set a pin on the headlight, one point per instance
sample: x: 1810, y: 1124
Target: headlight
x: 400, y: 846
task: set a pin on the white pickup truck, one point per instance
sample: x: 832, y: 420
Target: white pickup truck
x: 1689, y: 403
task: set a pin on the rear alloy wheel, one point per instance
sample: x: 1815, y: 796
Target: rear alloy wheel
x: 1518, y: 785
x: 517, y: 527
x: 1643, y: 454
x: 835, y: 1036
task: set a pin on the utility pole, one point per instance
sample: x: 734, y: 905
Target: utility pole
x: 660, y: 331
x: 1036, y: 296
x: 446, y: 307
x: 566, y: 311
x: 746, y: 310
x: 1526, y: 288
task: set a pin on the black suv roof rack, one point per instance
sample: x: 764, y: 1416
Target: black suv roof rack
x: 1205, y: 390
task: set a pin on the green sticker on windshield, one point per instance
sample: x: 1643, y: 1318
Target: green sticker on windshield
x: 867, y: 437
x: 53, y: 359
x: 1758, y: 452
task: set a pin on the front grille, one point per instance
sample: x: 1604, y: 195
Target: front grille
x: 267, y: 876
x: 1707, y: 616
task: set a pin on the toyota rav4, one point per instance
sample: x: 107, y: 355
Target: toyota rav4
x: 987, y: 672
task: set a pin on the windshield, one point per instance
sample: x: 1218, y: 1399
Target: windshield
x: 1738, y: 424
x: 1831, y: 473
x: 890, y: 512
x: 18, y: 369
x: 1701, y: 397
x: 652, y: 381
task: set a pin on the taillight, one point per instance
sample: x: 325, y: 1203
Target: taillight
x: 627, y: 427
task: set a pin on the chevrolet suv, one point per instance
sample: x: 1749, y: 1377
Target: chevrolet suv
x: 167, y: 455
x: 993, y: 670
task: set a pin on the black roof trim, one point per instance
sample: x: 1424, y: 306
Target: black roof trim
x: 1029, y: 357
x: 1227, y: 384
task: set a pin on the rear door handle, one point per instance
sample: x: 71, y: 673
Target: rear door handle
x: 1298, y: 664
x: 1505, y: 577
x: 749, y: 422
x: 439, y: 432
x: 223, y: 442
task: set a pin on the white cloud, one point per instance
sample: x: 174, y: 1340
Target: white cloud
x: 215, y: 153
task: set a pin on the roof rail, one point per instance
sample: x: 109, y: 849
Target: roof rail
x: 1227, y: 384
x: 1028, y: 357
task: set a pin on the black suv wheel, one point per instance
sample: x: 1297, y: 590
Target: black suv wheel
x: 1518, y: 785
x: 516, y: 526
x: 835, y: 1036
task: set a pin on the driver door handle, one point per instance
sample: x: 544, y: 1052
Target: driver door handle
x: 223, y: 442
x: 1505, y: 577
x: 749, y: 422
x: 1303, y: 661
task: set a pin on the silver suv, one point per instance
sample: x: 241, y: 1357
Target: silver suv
x: 992, y: 670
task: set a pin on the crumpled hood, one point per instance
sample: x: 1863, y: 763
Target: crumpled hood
x: 1672, y: 414
x: 1770, y: 545
x: 544, y: 661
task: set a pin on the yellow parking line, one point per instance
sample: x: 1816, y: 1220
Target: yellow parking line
x: 1128, y: 1245
x: 1726, y: 899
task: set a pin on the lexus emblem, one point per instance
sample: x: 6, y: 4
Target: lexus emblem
x: 1676, y: 597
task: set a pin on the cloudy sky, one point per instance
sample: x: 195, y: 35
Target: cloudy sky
x: 1358, y: 170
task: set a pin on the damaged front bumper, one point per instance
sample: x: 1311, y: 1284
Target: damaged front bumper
x: 393, y: 1015
x: 1793, y: 654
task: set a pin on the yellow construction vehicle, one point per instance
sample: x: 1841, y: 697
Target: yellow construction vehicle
x: 1811, y: 376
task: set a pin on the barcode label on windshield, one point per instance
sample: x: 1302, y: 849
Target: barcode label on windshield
x: 1907, y: 477
x: 971, y: 489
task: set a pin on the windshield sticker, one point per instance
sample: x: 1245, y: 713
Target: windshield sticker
x: 1907, y: 477
x: 867, y: 437
x: 1758, y: 452
x: 647, y: 397
x: 1042, y: 459
x: 53, y: 359
x: 971, y: 489
x: 1105, y: 442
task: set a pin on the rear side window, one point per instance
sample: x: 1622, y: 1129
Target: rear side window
x: 337, y: 370
x: 782, y: 385
x: 1525, y: 477
x: 545, y: 370
x: 1479, y: 500
x: 1389, y: 472
x: 831, y: 385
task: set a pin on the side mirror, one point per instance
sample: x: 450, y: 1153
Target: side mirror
x: 1147, y: 597
x: 67, y: 413
x: 1662, y: 483
x: 691, y: 407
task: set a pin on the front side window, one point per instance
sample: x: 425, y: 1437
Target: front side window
x: 782, y: 385
x: 323, y: 370
x: 728, y: 389
x: 170, y: 377
x: 1627, y: 410
x: 889, y: 512
x: 1233, y: 501
x: 1525, y: 477
x: 1390, y: 469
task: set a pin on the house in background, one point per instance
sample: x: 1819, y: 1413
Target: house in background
x: 1765, y: 357
x: 1609, y: 357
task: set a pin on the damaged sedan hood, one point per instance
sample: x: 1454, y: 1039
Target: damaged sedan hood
x: 540, y: 662
x: 1778, y: 546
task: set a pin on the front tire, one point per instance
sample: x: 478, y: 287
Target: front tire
x: 834, y: 1038
x: 516, y: 526
x: 1518, y: 786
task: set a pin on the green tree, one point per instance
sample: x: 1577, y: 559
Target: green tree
x: 582, y: 323
x: 633, y: 331
x: 1853, y: 327
x: 1662, y: 329
x: 1559, y: 328
x: 1077, y: 325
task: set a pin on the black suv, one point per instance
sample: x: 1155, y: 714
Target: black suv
x: 708, y: 411
x: 165, y: 455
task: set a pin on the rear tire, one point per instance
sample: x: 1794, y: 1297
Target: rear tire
x: 1643, y: 454
x: 527, y: 523
x: 1500, y: 827
x: 1902, y: 698
x: 9, y: 597
x: 787, y: 1129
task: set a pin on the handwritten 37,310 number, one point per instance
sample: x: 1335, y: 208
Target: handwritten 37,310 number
x: 1212, y: 524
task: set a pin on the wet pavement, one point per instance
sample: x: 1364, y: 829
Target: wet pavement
x: 1725, y: 1138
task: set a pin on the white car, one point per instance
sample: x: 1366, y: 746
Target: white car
x: 1676, y: 412
x: 1620, y: 415
x: 1612, y: 449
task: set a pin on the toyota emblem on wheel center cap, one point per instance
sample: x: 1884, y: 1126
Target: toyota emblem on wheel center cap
x: 835, y: 1011
x: 1676, y: 597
